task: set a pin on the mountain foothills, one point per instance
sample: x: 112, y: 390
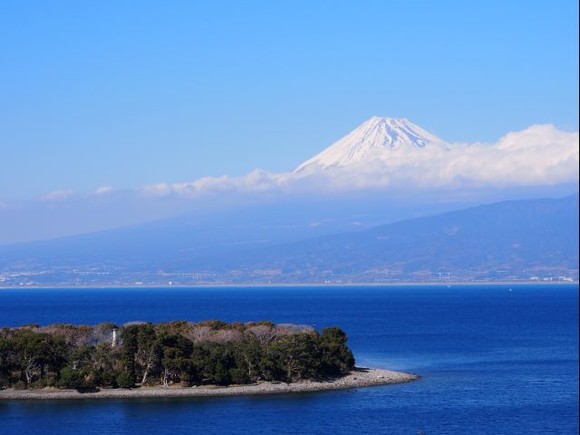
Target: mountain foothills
x: 520, y: 240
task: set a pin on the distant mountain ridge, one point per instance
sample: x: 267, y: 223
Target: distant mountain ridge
x: 520, y: 240
x: 375, y: 139
x: 511, y: 240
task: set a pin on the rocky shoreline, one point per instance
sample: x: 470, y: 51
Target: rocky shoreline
x: 360, y: 377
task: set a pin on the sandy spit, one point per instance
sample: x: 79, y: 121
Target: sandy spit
x: 360, y: 377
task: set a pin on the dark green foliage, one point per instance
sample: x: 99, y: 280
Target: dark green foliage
x: 125, y: 380
x: 35, y: 354
x: 175, y: 352
x: 130, y: 346
x: 78, y: 373
x: 70, y: 378
x: 336, y: 357
x: 211, y: 352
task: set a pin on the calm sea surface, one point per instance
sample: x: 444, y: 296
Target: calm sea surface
x: 493, y: 360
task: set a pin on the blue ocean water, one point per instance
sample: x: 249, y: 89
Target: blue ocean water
x: 493, y: 360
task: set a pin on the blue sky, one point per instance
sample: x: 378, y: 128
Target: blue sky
x: 127, y: 93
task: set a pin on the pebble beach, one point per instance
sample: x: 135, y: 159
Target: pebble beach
x: 358, y: 378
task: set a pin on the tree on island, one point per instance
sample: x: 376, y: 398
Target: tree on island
x: 184, y: 353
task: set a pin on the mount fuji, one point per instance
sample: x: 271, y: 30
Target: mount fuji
x: 377, y: 139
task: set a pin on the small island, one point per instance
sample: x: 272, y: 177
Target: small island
x: 178, y: 359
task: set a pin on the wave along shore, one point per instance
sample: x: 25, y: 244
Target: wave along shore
x: 360, y: 377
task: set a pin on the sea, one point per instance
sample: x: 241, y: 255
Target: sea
x: 493, y: 359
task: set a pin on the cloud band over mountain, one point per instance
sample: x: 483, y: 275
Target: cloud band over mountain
x: 540, y: 155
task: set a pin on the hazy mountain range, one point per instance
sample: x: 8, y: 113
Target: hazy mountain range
x: 514, y: 240
x: 352, y: 232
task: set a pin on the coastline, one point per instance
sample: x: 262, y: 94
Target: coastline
x: 358, y: 378
x: 290, y: 285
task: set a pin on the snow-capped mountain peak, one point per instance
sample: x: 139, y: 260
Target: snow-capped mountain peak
x: 374, y: 139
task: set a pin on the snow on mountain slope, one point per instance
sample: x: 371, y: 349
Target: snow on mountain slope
x: 376, y: 139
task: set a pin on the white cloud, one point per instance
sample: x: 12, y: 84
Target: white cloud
x: 159, y: 189
x: 255, y: 181
x: 103, y: 190
x: 540, y: 155
x: 58, y: 195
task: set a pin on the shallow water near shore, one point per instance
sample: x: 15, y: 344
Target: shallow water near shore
x: 493, y: 359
